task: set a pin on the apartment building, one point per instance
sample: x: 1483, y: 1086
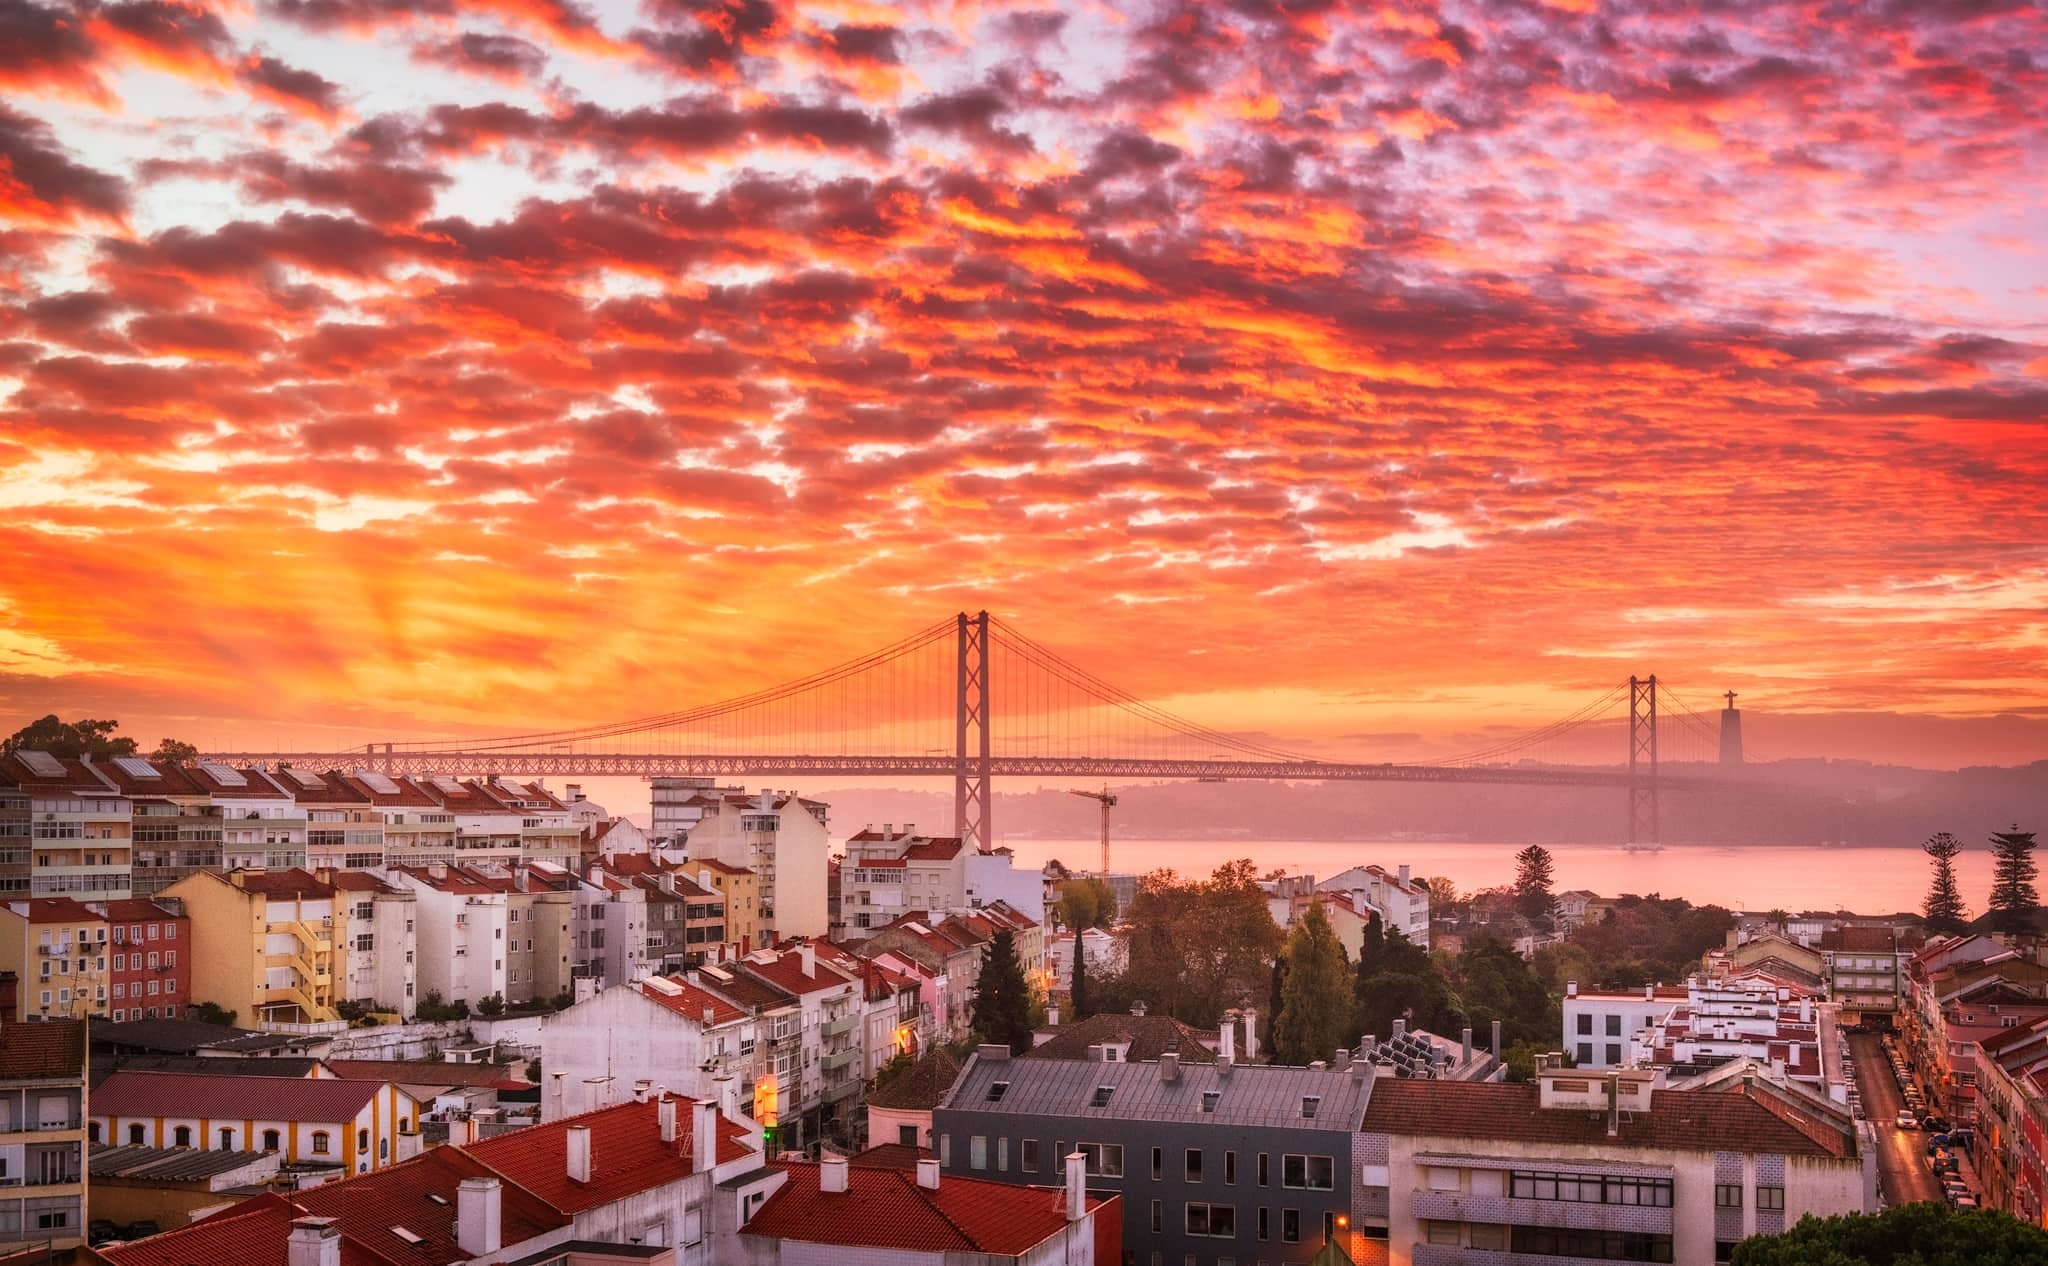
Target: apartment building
x: 462, y: 928
x: 1720, y: 1023
x: 176, y: 828
x: 663, y: 1181
x: 679, y: 804
x: 380, y: 948
x: 2012, y: 1120
x: 1249, y: 1162
x: 611, y: 929
x: 784, y: 839
x: 363, y: 1125
x: 1598, y: 1165
x: 548, y: 831
x: 1401, y: 901
x: 893, y: 1018
x: 79, y: 828
x: 43, y: 1073
x: 829, y: 1075
x: 1953, y: 984
x: 415, y: 829
x: 344, y: 829
x: 265, y: 944
x: 487, y: 827
x: 1864, y: 967
x: 669, y: 1031
x: 58, y: 948
x: 1599, y: 1024
x: 262, y: 825
x: 149, y: 963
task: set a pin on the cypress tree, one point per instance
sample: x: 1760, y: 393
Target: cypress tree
x: 1313, y: 1020
x: 1944, y: 908
x: 1002, y: 999
x: 2014, y: 899
x: 1078, y: 990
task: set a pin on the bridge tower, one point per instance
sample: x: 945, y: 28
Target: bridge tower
x: 972, y: 804
x: 1643, y: 827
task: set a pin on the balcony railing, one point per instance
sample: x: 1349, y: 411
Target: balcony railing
x: 836, y: 1028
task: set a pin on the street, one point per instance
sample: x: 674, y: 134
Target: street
x: 1902, y: 1170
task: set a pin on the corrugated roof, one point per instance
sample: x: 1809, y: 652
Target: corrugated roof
x: 885, y: 1208
x: 173, y: 1164
x: 137, y: 1094
x: 1257, y: 1094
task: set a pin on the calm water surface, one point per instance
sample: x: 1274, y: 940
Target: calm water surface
x: 1750, y: 876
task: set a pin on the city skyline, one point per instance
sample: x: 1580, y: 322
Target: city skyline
x: 1382, y: 380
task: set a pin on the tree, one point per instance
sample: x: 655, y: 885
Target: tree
x: 1313, y: 1020
x: 1002, y: 999
x: 210, y: 1013
x: 1922, y: 1233
x: 1198, y: 948
x: 70, y: 740
x: 533, y: 1071
x: 1944, y: 908
x: 491, y: 1004
x: 1086, y: 902
x: 2014, y: 898
x: 1077, y: 992
x: 1495, y: 983
x: 1533, y: 878
x: 1403, y: 982
x: 175, y: 752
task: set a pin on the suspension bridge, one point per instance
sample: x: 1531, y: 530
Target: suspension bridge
x: 974, y: 699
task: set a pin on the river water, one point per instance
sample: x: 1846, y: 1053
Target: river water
x: 1752, y: 876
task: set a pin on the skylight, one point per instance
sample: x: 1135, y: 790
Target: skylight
x: 1102, y: 1094
x: 223, y: 775
x: 305, y: 777
x: 377, y: 782
x: 1309, y: 1104
x: 1209, y: 1098
x: 136, y: 767
x: 42, y: 764
x: 447, y: 784
x: 997, y: 1091
x: 408, y: 1236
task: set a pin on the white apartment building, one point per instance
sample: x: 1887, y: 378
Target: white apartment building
x: 382, y: 951
x: 1598, y: 1024
x: 461, y: 926
x: 679, y: 804
x: 784, y: 840
x: 487, y: 829
x: 1719, y: 1023
x: 1400, y: 900
x: 661, y: 1031
x: 611, y: 930
x: 343, y: 829
x: 888, y: 873
x: 1583, y: 1166
x: 262, y: 825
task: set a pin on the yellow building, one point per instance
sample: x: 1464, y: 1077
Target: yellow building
x: 266, y: 944
x: 741, y: 888
x: 57, y: 948
x: 362, y: 1125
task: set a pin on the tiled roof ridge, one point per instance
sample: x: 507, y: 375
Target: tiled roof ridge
x: 908, y: 1178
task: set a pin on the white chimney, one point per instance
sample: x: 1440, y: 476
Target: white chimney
x: 666, y: 1114
x: 1052, y: 1015
x: 313, y: 1242
x: 1251, y: 1035
x: 1571, y: 988
x: 1226, y: 1040
x: 1077, y: 1187
x: 703, y: 1136
x: 578, y: 1143
x: 928, y: 1174
x: 1169, y: 1067
x: 1404, y: 874
x: 808, y: 956
x: 1649, y: 993
x: 558, y: 1095
x: 479, y: 1216
x: 640, y: 1089
x: 832, y: 1175
x: 1806, y: 1011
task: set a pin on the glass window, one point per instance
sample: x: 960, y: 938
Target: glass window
x: 1585, y: 1025
x: 977, y: 1152
x: 1313, y: 1173
x: 1441, y: 1232
x: 1290, y: 1226
x: 1614, y: 1052
x: 1727, y: 1195
x: 1027, y: 1154
x: 1103, y: 1160
x: 1770, y: 1197
x: 182, y: 1136
x: 1218, y: 1220
x: 319, y: 1142
x: 1191, y: 1170
x: 1614, y: 1026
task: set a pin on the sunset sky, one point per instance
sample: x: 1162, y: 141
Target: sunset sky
x: 1381, y: 376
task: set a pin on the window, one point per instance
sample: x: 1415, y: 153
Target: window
x: 1617, y: 1246
x: 1101, y: 1096
x: 135, y: 1136
x: 1290, y: 1226
x: 1489, y: 1235
x: 977, y: 1152
x: 1103, y: 1160
x: 1585, y: 1026
x: 1724, y: 1250
x: 1262, y: 1170
x: 1590, y: 1189
x: 1440, y: 1232
x: 120, y: 962
x: 1191, y: 1165
x: 1727, y: 1195
x: 1312, y: 1173
x: 1230, y: 1167
x: 92, y: 1132
x: 227, y: 1139
x: 1309, y: 1106
x: 1770, y: 1197
x: 319, y: 1142
x: 270, y: 1140
x: 182, y: 1136
x: 1614, y: 1052
x: 1585, y: 1052
x: 1218, y: 1220
x: 1209, y: 1098
x: 362, y: 1140
x: 997, y: 1090
x: 1027, y: 1154
x: 1158, y: 1163
x: 1614, y: 1026
x: 1158, y: 1217
x: 1264, y: 1229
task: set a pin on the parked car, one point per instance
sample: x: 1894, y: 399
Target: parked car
x: 1967, y: 1201
x: 138, y: 1230
x: 1945, y: 1163
x: 1907, y: 1121
x: 100, y: 1231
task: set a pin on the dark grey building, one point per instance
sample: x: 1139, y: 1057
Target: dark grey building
x: 1215, y: 1162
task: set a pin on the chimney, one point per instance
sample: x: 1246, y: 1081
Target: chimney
x: 595, y: 1093
x: 1571, y: 988
x: 1077, y: 1187
x: 808, y: 956
x: 1649, y: 993
x: 479, y: 1214
x: 1251, y: 1035
x: 1169, y: 1068
x: 1226, y: 1040
x: 703, y: 1136
x: 1400, y: 1029
x: 1223, y: 1066
x: 1468, y: 1044
x: 1496, y: 1039
x: 1368, y: 1046
x: 928, y: 1174
x: 1343, y: 1059
x: 1052, y: 1014
x: 666, y: 1114
x: 313, y: 1242
x: 728, y: 1096
x: 1404, y: 874
x: 1138, y: 1007
x: 640, y: 1089
x: 575, y: 790
x: 1806, y: 1011
x: 1777, y: 1070
x: 888, y: 831
x: 909, y: 830
x: 993, y: 1052
x: 578, y: 1143
x: 832, y: 1174
x: 1095, y: 1052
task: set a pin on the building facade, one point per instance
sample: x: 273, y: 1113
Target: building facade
x: 43, y: 1072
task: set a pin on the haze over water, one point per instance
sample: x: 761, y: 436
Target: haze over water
x: 1752, y: 876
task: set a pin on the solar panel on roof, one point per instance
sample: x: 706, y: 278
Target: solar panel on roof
x: 42, y: 764
x: 223, y: 775
x: 447, y: 784
x: 305, y: 777
x: 377, y: 782
x: 136, y: 767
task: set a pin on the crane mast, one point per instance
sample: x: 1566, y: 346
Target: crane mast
x: 1107, y: 801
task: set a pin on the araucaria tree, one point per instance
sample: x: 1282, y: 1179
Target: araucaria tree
x: 2014, y: 898
x: 1315, y: 995
x: 1944, y: 908
x: 1533, y: 878
x: 1002, y: 999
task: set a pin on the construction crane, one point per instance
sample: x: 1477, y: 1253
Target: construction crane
x: 1108, y: 802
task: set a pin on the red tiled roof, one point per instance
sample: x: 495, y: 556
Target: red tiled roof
x: 256, y: 784
x: 886, y: 1209
x: 714, y: 864
x: 75, y: 774
x: 688, y: 1000
x: 170, y: 780
x: 408, y: 793
x: 252, y: 1232
x: 359, y: 881
x: 890, y: 1156
x: 1863, y: 939
x: 786, y: 971
x: 283, y: 883
x: 44, y: 1051
x: 59, y: 910
x: 1687, y: 1120
x: 137, y: 910
x: 626, y: 1154
x: 748, y: 991
x: 368, y: 1207
x: 137, y: 1094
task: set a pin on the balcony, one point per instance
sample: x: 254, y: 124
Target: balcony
x: 839, y: 1059
x: 844, y: 1090
x: 840, y: 1027
x: 1452, y: 1206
